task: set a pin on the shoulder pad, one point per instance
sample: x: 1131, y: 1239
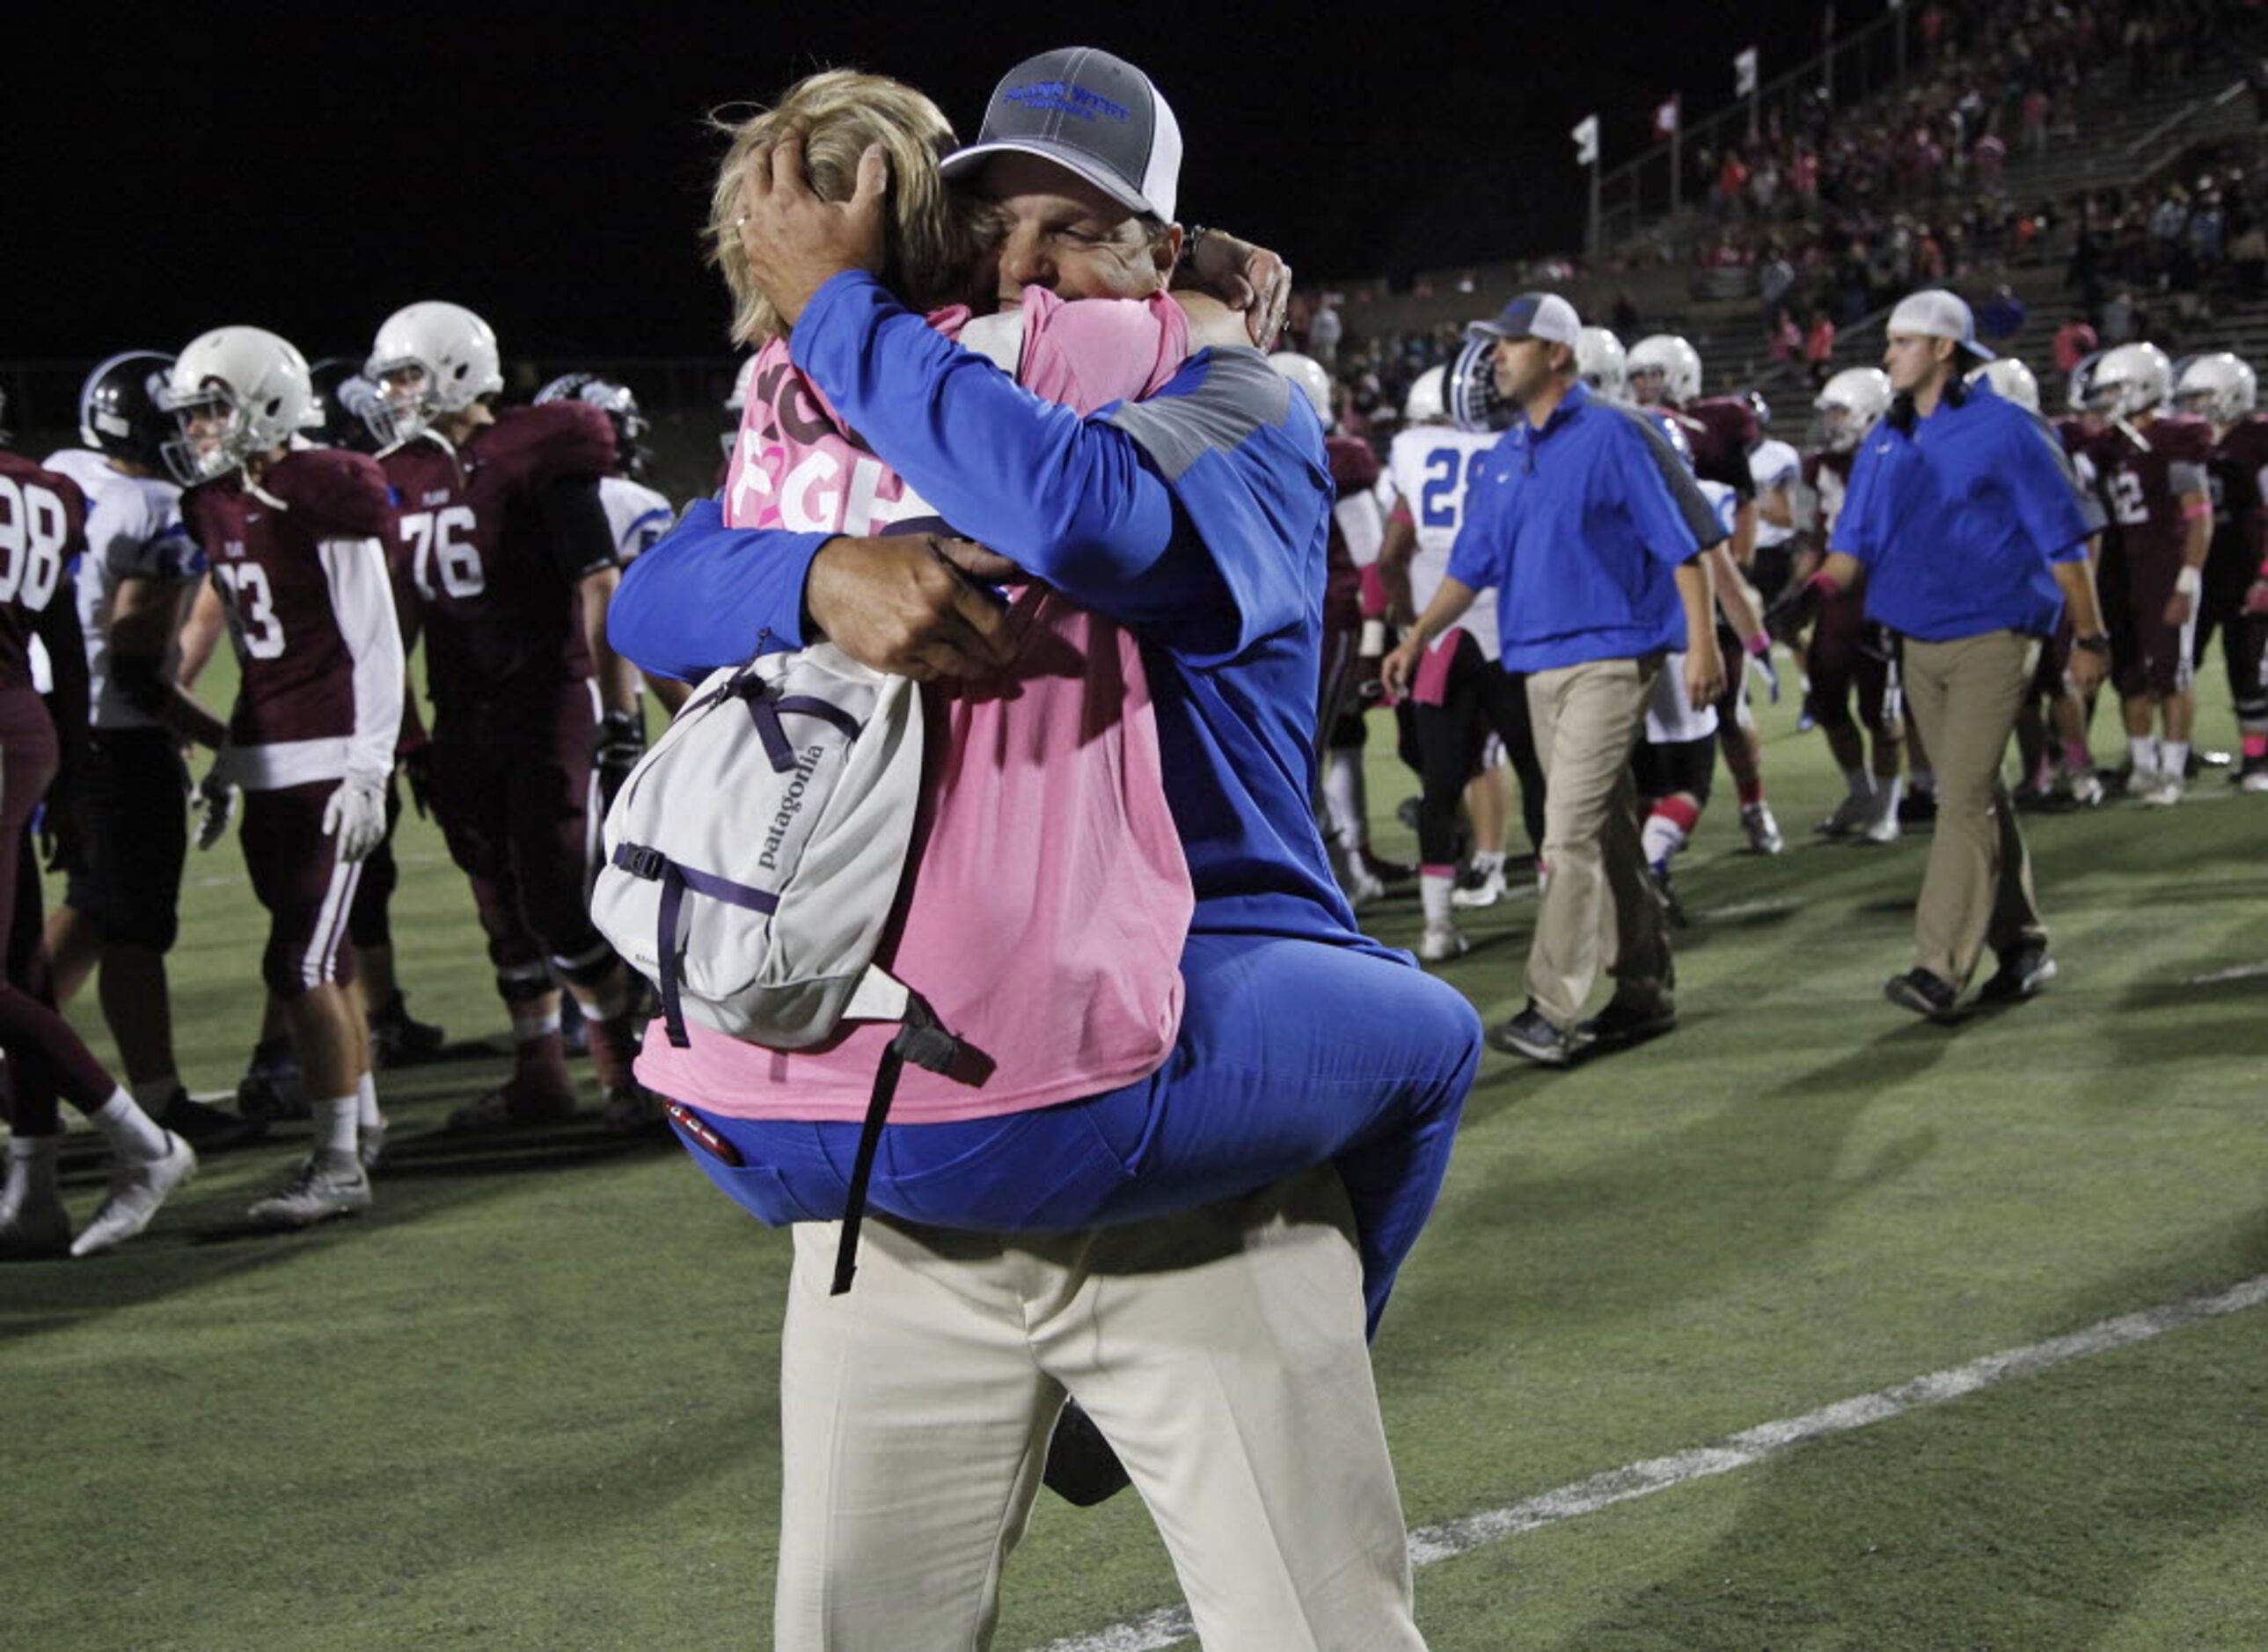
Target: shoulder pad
x: 339, y: 494
x: 555, y: 438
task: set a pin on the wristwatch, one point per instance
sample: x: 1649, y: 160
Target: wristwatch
x: 2098, y: 644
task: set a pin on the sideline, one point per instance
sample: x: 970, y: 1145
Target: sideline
x: 1154, y: 1631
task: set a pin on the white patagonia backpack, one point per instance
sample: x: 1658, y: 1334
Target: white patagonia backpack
x: 752, y: 859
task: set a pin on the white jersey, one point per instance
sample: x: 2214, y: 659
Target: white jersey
x: 133, y: 530
x: 638, y: 515
x: 1430, y: 467
x: 1774, y: 464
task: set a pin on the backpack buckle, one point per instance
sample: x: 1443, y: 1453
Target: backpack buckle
x: 641, y: 860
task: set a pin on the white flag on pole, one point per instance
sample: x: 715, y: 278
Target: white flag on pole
x: 1744, y: 73
x: 1587, y: 141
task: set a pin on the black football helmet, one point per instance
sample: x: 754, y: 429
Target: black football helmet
x: 346, y: 399
x: 619, y: 403
x: 1475, y: 402
x: 119, y: 415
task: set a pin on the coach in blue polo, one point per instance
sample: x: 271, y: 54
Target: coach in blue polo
x: 1591, y: 529
x: 1973, y: 531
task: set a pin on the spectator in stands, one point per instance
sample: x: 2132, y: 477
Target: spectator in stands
x: 2074, y: 341
x: 2005, y: 317
x: 1819, y: 348
x: 1323, y: 331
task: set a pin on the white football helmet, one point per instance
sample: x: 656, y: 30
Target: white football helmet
x: 1427, y: 403
x: 2221, y: 387
x: 2011, y: 381
x: 1849, y: 403
x: 736, y: 403
x: 235, y: 392
x: 1601, y: 362
x: 1669, y: 367
x: 2132, y: 379
x: 429, y: 359
x: 1314, y: 382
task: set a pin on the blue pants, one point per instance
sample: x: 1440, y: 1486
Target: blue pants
x: 1292, y: 1054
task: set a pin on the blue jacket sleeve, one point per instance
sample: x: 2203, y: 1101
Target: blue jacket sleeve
x: 706, y: 595
x: 1076, y: 501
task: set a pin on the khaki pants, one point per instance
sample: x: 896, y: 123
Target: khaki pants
x: 1220, y: 1352
x: 1599, y: 910
x: 1978, y: 890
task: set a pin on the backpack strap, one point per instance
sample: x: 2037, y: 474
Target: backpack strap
x: 641, y: 861
x: 924, y: 1041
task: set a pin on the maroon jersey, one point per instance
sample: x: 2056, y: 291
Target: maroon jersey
x: 42, y: 529
x: 1721, y: 430
x: 1828, y: 474
x: 1354, y: 471
x: 265, y: 545
x: 2141, y: 482
x: 2237, y: 471
x: 500, y: 611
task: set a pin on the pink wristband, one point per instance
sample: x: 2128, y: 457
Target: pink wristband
x: 1759, y: 644
x: 2197, y: 507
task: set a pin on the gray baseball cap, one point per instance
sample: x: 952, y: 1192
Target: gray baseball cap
x: 1933, y: 312
x: 1091, y: 113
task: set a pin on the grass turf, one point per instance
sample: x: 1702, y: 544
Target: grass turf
x: 529, y: 1401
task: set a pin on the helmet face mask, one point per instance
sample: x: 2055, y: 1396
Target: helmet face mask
x: 429, y: 360
x: 235, y: 393
x: 1848, y: 405
x: 1664, y: 367
x: 119, y: 413
x: 1602, y: 364
x: 1475, y: 402
x: 207, y: 440
x: 620, y: 404
x: 2130, y: 380
x: 2220, y: 387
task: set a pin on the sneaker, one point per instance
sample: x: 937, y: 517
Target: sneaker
x: 369, y: 1145
x: 1442, y: 941
x: 2254, y: 777
x: 574, y: 1031
x: 326, y: 1185
x: 1620, y: 1025
x: 1384, y: 869
x: 2086, y: 791
x: 399, y: 1040
x: 1882, y: 829
x: 2024, y: 970
x: 1081, y: 1469
x: 1851, y: 815
x: 271, y: 1088
x: 34, y: 1228
x: 633, y: 1110
x: 1360, y: 886
x: 137, y: 1187
x: 1478, y: 888
x: 1530, y: 1034
x: 1762, y: 830
x: 1672, y: 907
x: 1917, y: 808
x: 511, y: 1104
x: 1922, y: 993
x: 2164, y: 791
x: 206, y: 1127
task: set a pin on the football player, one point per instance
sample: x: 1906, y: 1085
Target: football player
x: 42, y: 533
x: 507, y: 548
x: 1460, y: 696
x: 2221, y: 389
x: 121, y: 907
x: 1664, y: 371
x: 1777, y: 468
x: 2076, y: 428
x: 297, y: 540
x: 2150, y: 478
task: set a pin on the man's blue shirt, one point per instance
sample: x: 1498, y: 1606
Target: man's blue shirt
x: 1199, y: 517
x: 1580, y: 525
x: 1959, y: 520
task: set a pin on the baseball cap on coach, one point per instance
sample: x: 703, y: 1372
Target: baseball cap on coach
x: 1532, y: 315
x: 1936, y: 314
x: 1095, y: 114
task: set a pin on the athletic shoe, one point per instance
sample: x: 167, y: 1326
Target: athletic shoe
x: 1917, y: 808
x: 574, y: 1031
x: 2024, y: 969
x: 137, y: 1187
x: 1442, y: 941
x: 369, y: 1145
x: 2255, y: 776
x: 1851, y: 815
x: 326, y: 1185
x: 399, y: 1040
x: 1478, y: 888
x: 206, y: 1127
x: 1762, y: 830
x: 271, y: 1088
x: 1082, y: 1469
x: 1884, y: 829
x: 633, y: 1110
x: 1361, y: 887
x: 2164, y: 792
x: 1384, y: 869
x: 2087, y: 789
x: 1672, y: 908
x: 511, y: 1104
x: 1530, y: 1034
x: 1922, y: 993
x: 34, y: 1229
x: 1620, y: 1025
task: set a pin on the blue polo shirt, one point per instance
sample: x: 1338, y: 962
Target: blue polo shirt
x: 1580, y: 526
x: 1960, y: 519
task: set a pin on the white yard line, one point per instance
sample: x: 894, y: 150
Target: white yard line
x: 1171, y: 1626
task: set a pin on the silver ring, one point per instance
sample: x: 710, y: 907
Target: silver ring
x: 741, y: 220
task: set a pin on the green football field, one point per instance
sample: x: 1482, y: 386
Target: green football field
x: 529, y: 1401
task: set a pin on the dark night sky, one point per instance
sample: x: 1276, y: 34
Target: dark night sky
x: 312, y: 168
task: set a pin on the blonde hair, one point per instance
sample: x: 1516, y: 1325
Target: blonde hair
x: 932, y: 232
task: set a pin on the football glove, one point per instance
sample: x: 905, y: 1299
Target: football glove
x: 356, y: 815
x: 620, y: 742
x: 215, y: 807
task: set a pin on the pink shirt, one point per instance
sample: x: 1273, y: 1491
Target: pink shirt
x: 1051, y: 898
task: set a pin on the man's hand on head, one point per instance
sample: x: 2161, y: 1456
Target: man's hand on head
x: 794, y: 241
x: 901, y: 604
